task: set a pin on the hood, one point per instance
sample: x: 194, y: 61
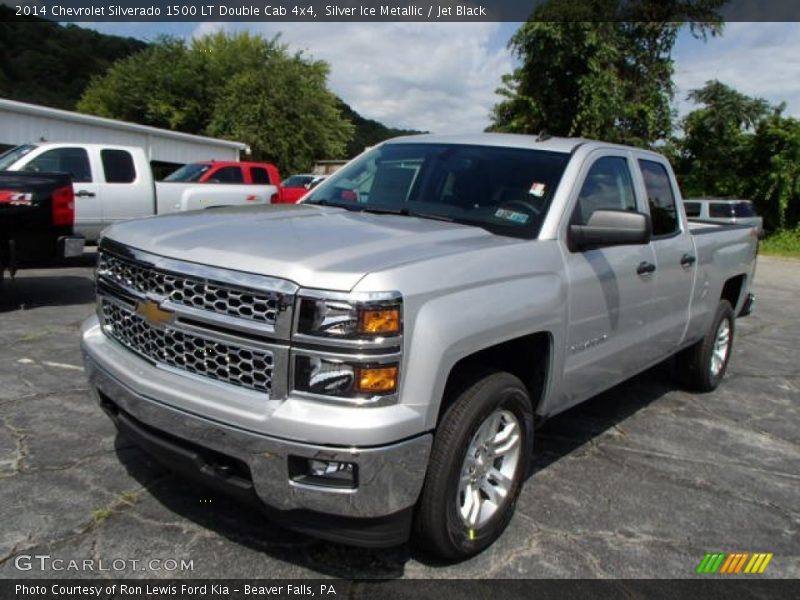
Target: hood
x: 319, y: 247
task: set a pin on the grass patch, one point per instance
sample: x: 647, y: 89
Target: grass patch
x: 125, y: 499
x: 782, y: 243
x: 101, y: 514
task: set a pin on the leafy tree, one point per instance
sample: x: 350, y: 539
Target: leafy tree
x: 772, y: 171
x: 240, y: 86
x: 717, y: 140
x: 600, y: 68
x: 46, y: 63
x: 738, y: 146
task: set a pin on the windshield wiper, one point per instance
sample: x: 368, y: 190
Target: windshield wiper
x: 405, y: 212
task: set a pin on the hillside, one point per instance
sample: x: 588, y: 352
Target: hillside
x: 368, y: 132
x: 45, y: 63
x: 42, y: 62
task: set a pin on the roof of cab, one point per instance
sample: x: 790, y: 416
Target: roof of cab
x: 508, y: 140
x: 516, y: 140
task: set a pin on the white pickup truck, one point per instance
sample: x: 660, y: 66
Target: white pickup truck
x: 114, y: 183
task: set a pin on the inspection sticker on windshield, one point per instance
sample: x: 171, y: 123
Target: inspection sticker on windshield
x: 537, y: 189
x: 511, y: 215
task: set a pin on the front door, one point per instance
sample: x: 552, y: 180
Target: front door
x: 610, y: 293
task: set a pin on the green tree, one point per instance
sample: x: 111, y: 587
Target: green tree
x: 600, y: 68
x: 717, y: 140
x: 735, y: 145
x: 772, y: 171
x: 242, y: 86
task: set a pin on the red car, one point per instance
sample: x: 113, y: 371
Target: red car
x: 220, y: 171
x: 296, y: 186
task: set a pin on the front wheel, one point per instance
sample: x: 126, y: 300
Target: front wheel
x: 478, y: 462
x: 703, y: 365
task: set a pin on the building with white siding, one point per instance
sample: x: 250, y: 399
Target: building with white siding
x: 22, y: 123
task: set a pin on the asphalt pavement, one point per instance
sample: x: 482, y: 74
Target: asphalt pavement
x: 641, y: 481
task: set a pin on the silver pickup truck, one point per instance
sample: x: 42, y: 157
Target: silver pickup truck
x: 370, y: 364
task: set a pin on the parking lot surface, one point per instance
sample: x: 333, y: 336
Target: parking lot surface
x: 641, y: 481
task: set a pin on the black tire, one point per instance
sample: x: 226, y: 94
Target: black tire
x: 695, y: 363
x: 439, y: 528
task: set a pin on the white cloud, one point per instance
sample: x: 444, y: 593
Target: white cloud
x: 437, y: 77
x: 757, y: 59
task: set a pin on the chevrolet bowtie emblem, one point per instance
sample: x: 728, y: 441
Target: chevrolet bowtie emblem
x: 152, y: 313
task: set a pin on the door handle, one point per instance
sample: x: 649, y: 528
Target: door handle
x: 85, y: 194
x: 687, y: 260
x: 645, y: 268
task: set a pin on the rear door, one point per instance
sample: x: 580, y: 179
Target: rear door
x: 127, y: 193
x: 610, y: 293
x: 676, y: 262
x: 77, y: 163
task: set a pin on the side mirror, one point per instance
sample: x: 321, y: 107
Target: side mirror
x: 611, y: 228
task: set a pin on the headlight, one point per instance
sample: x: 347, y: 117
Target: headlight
x: 342, y: 378
x: 349, y: 317
x: 347, y: 347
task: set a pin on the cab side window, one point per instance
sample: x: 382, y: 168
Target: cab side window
x: 118, y: 166
x: 663, y: 211
x: 259, y: 175
x: 608, y: 186
x: 74, y: 161
x: 227, y: 175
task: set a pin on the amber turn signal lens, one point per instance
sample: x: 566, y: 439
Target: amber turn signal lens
x: 383, y: 321
x: 377, y: 379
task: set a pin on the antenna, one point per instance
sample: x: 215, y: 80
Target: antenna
x: 543, y: 136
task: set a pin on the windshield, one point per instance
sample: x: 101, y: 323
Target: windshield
x: 191, y: 172
x: 297, y: 181
x: 504, y: 190
x: 9, y: 157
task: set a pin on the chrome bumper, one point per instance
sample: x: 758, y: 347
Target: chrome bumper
x: 390, y: 477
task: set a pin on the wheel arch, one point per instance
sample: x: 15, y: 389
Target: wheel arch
x: 528, y: 357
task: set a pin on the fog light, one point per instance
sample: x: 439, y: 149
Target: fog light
x: 377, y: 379
x: 323, y: 473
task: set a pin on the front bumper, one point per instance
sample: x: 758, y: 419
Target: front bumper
x: 390, y: 476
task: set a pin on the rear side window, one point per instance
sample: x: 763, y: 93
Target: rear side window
x: 259, y: 175
x: 693, y: 209
x: 744, y: 209
x: 118, y: 166
x: 663, y: 211
x: 74, y: 161
x: 227, y: 175
x: 727, y: 210
x: 608, y: 186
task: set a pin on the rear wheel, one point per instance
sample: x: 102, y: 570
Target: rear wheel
x: 703, y: 365
x: 478, y: 462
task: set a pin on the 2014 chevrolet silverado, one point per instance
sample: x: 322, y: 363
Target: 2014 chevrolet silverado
x: 372, y: 362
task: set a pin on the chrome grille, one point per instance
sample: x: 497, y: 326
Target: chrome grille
x: 253, y: 305
x: 227, y: 362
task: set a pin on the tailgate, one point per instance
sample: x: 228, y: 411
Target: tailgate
x: 26, y: 202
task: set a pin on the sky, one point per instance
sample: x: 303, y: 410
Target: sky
x: 441, y: 77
